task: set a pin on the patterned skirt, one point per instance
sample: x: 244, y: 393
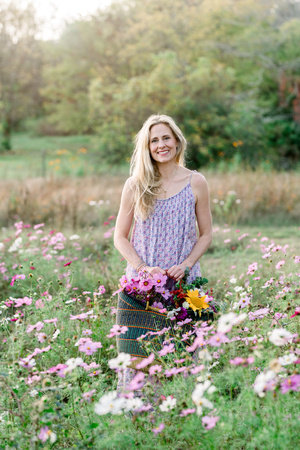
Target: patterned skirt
x: 132, y: 314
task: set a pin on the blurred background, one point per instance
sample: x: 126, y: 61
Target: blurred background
x: 78, y: 79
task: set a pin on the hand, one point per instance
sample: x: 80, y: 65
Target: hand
x: 177, y: 272
x: 154, y: 270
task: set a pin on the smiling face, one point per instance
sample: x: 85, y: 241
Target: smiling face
x: 162, y: 143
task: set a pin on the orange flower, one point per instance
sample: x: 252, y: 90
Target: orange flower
x: 196, y: 303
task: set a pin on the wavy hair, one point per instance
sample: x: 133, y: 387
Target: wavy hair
x: 143, y: 168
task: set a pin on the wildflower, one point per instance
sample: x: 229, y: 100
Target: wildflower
x: 146, y: 285
x: 252, y: 268
x: 146, y: 361
x: 199, y: 400
x: 261, y: 382
x: 72, y: 363
x: 27, y: 363
x: 280, y: 264
x: 195, y: 302
x: 167, y: 349
x: 123, y: 360
x: 168, y: 404
x: 41, y: 337
x: 217, y: 339
x: 285, y: 360
x: 280, y: 336
x: 209, y: 421
x: 258, y: 314
x: 46, y: 433
x: 244, y: 301
x: 109, y: 403
x: 291, y: 383
x: 159, y: 279
x: 186, y: 412
x: 116, y: 330
x: 17, y: 277
x: 89, y: 347
x: 38, y: 326
x: 86, y: 332
x: 227, y: 321
x: 159, y: 429
x: 155, y: 369
x: 88, y: 396
x: 137, y: 382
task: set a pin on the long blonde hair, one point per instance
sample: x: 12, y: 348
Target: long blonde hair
x: 143, y: 168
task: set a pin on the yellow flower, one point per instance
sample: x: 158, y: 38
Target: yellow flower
x: 196, y: 302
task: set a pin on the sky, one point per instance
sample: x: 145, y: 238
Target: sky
x: 54, y: 13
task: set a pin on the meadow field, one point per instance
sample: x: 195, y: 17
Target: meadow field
x: 59, y: 362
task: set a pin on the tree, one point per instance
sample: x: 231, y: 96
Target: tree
x: 20, y: 65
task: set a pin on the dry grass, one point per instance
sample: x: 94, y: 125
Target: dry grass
x: 61, y: 202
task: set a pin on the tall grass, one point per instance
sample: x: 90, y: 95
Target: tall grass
x: 245, y: 197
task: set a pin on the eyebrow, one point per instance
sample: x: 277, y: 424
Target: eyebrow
x: 165, y: 135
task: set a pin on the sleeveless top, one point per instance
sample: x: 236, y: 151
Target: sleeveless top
x: 168, y: 235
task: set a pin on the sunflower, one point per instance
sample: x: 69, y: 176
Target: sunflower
x: 196, y: 303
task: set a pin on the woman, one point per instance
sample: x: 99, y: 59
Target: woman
x: 165, y: 200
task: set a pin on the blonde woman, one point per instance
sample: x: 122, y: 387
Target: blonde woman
x: 165, y: 202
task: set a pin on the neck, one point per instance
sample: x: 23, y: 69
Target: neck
x: 167, y: 171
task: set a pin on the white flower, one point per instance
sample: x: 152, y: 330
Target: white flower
x: 238, y: 288
x: 73, y: 237
x: 132, y: 404
x: 55, y: 334
x: 261, y: 382
x: 92, y: 203
x: 109, y: 403
x: 185, y: 305
x: 72, y: 363
x: 204, y: 355
x: 280, y: 336
x: 33, y: 393
x: 14, y: 247
x: 232, y: 280
x: 199, y: 400
x: 285, y: 360
x: 226, y: 322
x: 1, y: 246
x: 123, y: 360
x: 168, y: 404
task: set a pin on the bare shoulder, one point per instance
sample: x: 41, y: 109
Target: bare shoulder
x: 199, y: 185
x: 128, y: 190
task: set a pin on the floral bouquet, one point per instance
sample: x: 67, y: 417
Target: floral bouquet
x: 180, y: 301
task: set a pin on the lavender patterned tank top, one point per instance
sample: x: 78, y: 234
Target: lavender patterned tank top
x: 168, y: 235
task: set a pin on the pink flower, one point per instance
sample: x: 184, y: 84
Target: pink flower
x: 41, y: 336
x: 155, y: 369
x: 186, y: 412
x: 146, y: 285
x: 94, y: 373
x: 86, y: 332
x: 89, y: 347
x: 280, y: 264
x: 167, y: 349
x: 137, y: 382
x: 68, y: 263
x: 252, y: 268
x: 88, y: 396
x: 146, y: 361
x: 88, y: 367
x: 159, y: 429
x: 258, y: 314
x: 291, y: 383
x: 159, y: 279
x: 116, y: 330
x: 39, y: 304
x: 217, y: 339
x: 38, y: 326
x: 209, y: 421
x: 17, y: 277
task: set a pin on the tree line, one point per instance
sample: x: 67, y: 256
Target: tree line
x: 227, y: 70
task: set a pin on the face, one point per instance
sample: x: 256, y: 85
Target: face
x: 162, y: 143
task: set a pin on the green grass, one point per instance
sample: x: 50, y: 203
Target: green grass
x: 246, y: 421
x: 40, y: 156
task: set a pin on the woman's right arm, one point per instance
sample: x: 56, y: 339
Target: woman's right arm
x: 123, y: 225
x: 122, y: 229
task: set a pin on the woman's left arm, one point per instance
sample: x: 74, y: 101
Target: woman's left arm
x: 204, y: 220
